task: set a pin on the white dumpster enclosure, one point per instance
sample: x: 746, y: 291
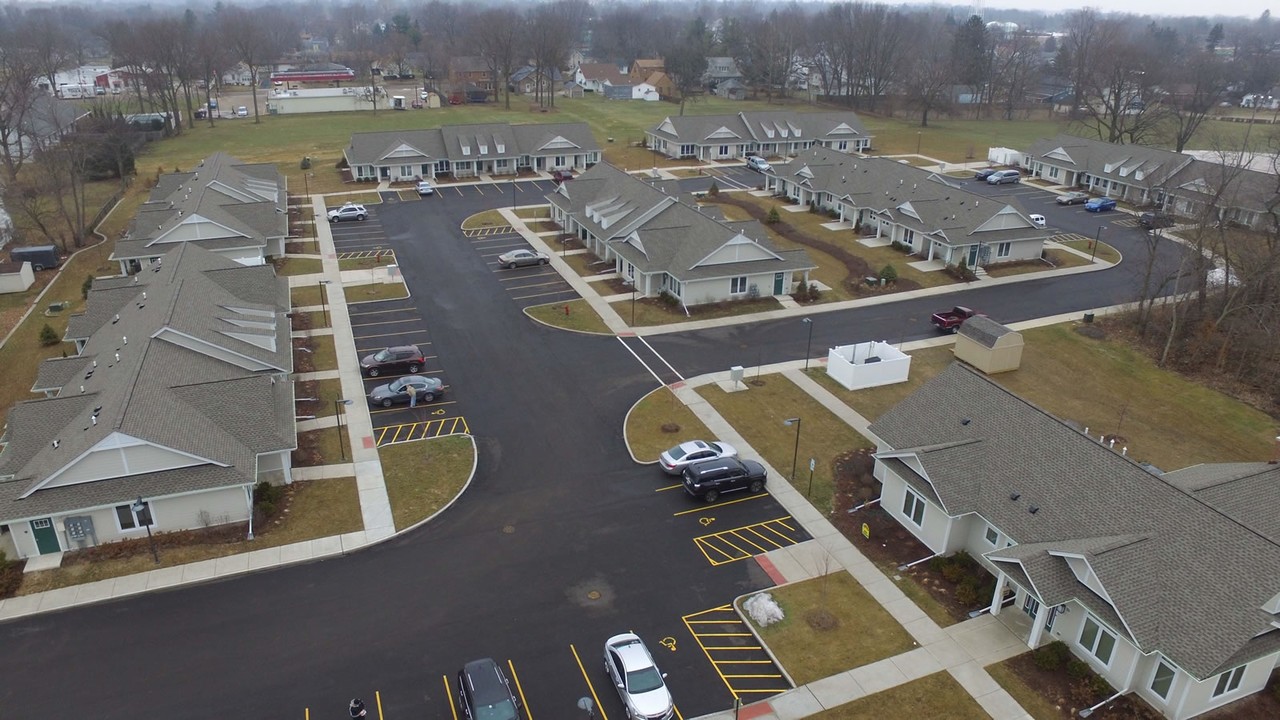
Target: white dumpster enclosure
x: 868, y: 364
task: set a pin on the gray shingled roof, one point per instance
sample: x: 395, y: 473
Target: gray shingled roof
x: 926, y: 202
x: 1135, y: 165
x: 483, y: 141
x: 1184, y: 576
x: 1226, y: 186
x: 242, y: 206
x: 57, y: 372
x: 175, y: 370
x: 1246, y: 492
x: 674, y: 235
x: 763, y: 127
x: 983, y: 330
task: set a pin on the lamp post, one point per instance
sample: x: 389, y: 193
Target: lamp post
x: 337, y: 411
x: 633, y: 301
x: 919, y: 135
x: 795, y: 454
x: 139, y: 508
x: 306, y: 183
x: 1097, y: 238
x: 809, y: 345
x: 324, y: 301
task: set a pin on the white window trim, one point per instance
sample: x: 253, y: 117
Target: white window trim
x: 915, y: 502
x: 1231, y: 679
x: 137, y: 526
x: 992, y: 535
x: 734, y: 282
x: 1173, y: 675
x: 1097, y: 640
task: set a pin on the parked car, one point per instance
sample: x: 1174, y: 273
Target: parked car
x: 984, y: 173
x: 1004, y: 177
x: 709, y: 479
x: 1100, y: 205
x: 675, y: 460
x: 1075, y: 197
x: 401, y: 358
x: 349, y: 211
x: 1039, y: 220
x: 425, y: 188
x: 520, y: 258
x: 951, y: 320
x: 242, y: 111
x: 559, y: 176
x: 640, y: 684
x: 484, y: 693
x: 397, y: 393
x: 213, y: 104
x: 759, y: 164
x: 1153, y: 220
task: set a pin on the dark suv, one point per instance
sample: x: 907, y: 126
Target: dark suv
x: 710, y: 479
x: 1151, y: 220
x: 485, y: 693
x: 401, y: 359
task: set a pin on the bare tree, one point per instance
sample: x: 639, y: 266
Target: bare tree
x: 250, y: 36
x: 19, y: 98
x: 928, y: 76
x: 497, y: 34
x: 1201, y: 82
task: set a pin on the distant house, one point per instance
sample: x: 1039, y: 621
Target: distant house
x: 772, y: 133
x: 1166, y: 585
x: 237, y: 210
x: 594, y: 77
x: 470, y: 150
x: 571, y: 89
x: 925, y: 212
x: 468, y: 71
x: 177, y: 404
x: 1218, y: 192
x: 661, y: 243
x: 731, y: 89
x: 525, y: 80
x: 42, y: 125
x: 719, y: 70
x: 662, y: 84
x: 641, y: 70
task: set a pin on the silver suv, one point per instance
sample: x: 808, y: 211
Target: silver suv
x: 350, y: 211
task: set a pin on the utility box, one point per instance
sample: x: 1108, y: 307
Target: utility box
x: 735, y: 374
x: 398, y: 103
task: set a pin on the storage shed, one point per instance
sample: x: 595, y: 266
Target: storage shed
x: 989, y: 346
x: 15, y: 277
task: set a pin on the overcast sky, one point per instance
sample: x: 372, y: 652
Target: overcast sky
x: 1241, y: 8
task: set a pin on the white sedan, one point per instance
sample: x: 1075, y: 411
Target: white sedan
x: 673, y: 461
x: 640, y: 684
x: 424, y: 188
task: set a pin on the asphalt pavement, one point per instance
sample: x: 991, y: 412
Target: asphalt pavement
x: 560, y: 542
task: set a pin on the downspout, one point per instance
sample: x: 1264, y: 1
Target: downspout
x: 248, y: 495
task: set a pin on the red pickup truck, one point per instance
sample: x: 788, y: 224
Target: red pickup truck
x: 950, y: 320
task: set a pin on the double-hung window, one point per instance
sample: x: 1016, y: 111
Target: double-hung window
x: 1162, y: 680
x: 913, y: 507
x: 738, y: 285
x: 1228, y: 681
x: 131, y: 520
x: 1098, y: 641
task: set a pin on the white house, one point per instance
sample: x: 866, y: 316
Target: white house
x: 1168, y: 586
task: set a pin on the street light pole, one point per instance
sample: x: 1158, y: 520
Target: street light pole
x: 140, y: 507
x: 633, y: 301
x: 337, y: 411
x: 324, y: 301
x: 795, y: 453
x: 809, y: 345
x: 1097, y: 238
x: 919, y: 135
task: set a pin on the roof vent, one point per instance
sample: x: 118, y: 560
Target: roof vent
x: 97, y: 410
x: 115, y: 319
x: 124, y: 339
x: 1015, y: 495
x: 94, y: 419
x: 95, y: 362
x: 1033, y: 509
x: 81, y: 389
x: 136, y: 279
x: 117, y: 357
x: 144, y: 294
x: 965, y: 421
x: 56, y: 443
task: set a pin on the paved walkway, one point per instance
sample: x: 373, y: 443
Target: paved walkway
x: 962, y: 650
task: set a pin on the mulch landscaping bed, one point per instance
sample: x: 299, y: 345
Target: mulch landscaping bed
x: 616, y: 285
x: 1072, y: 694
x: 303, y: 362
x: 892, y: 545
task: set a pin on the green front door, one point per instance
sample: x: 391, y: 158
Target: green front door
x: 46, y: 536
x: 777, y: 283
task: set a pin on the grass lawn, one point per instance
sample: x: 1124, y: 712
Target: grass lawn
x: 1104, y: 252
x: 324, y: 354
x: 1167, y: 420
x: 375, y: 291
x: 488, y: 218
x: 757, y: 415
x: 831, y: 624
x: 932, y: 696
x: 423, y: 476
x: 534, y: 213
x: 543, y: 226
x: 1034, y: 702
x: 1057, y: 260
x: 327, y: 391
x: 296, y: 266
x: 325, y: 441
x: 644, y: 426
x: 370, y: 197
x: 305, y: 295
x: 318, y: 509
x: 586, y: 264
x: 306, y: 247
x: 318, y: 319
x: 369, y: 262
x: 581, y: 317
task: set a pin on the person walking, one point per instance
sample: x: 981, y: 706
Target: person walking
x: 356, y: 708
x: 413, y: 395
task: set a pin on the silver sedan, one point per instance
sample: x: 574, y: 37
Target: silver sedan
x: 673, y: 461
x: 520, y: 258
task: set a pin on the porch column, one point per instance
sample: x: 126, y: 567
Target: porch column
x: 1037, y: 625
x: 1002, y: 581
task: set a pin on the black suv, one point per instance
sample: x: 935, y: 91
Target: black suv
x: 485, y: 693
x: 709, y: 479
x: 1151, y: 220
x: 401, y: 359
x: 985, y: 173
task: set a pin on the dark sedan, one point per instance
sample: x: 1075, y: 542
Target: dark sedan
x: 397, y: 393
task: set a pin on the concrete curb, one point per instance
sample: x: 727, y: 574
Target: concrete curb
x: 475, y: 463
x: 627, y: 417
x: 746, y: 620
x: 544, y: 323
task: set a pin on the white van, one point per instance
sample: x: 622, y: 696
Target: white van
x: 1003, y: 177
